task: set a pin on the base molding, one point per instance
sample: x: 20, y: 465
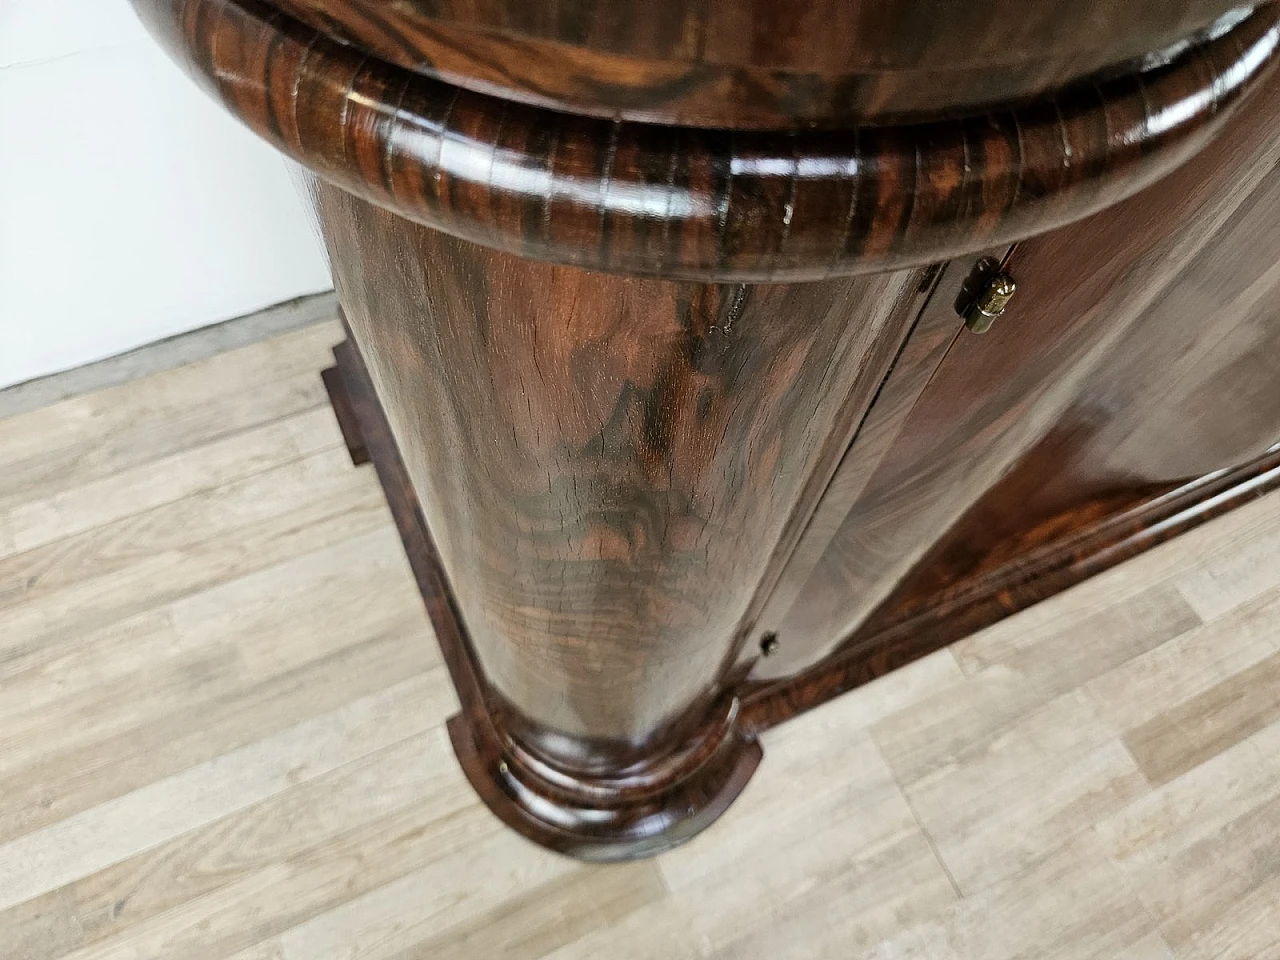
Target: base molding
x: 645, y: 810
x: 885, y: 644
x: 636, y: 814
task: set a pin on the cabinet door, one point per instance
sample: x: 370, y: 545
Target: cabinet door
x: 1134, y: 366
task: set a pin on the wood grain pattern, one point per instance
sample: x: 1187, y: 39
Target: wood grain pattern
x: 628, y: 366
x: 1187, y: 391
x: 933, y: 335
x: 608, y: 467
x: 709, y: 205
x: 88, y: 438
x: 1123, y: 396
x: 763, y: 63
x: 594, y: 817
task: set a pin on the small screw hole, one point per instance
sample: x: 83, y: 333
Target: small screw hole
x: 769, y: 644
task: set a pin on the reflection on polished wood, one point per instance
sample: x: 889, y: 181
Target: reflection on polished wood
x: 609, y: 467
x: 765, y: 64
x: 683, y: 429
x: 707, y: 205
x: 1132, y: 368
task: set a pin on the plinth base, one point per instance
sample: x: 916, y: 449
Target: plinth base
x: 645, y: 811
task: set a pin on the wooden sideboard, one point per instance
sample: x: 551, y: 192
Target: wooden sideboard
x: 669, y: 338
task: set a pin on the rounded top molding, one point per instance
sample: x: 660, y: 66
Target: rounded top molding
x: 761, y: 64
x: 731, y: 206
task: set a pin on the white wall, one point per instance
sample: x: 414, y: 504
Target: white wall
x: 131, y: 206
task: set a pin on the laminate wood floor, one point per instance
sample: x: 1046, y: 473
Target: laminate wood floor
x: 221, y: 735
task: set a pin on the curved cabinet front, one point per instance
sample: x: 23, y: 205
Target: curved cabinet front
x: 1127, y: 393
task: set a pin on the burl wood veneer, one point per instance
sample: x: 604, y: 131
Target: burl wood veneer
x: 656, y: 338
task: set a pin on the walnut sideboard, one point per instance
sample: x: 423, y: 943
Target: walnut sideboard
x: 719, y: 356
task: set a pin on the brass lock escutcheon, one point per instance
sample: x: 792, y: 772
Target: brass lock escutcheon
x: 986, y: 294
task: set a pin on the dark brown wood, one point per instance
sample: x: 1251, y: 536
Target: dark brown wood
x: 706, y: 205
x: 1067, y: 562
x: 1134, y: 367
x: 609, y: 467
x: 1101, y: 542
x: 350, y: 390
x: 753, y: 64
x: 625, y: 816
x: 932, y: 337
x: 688, y: 412
x: 340, y: 400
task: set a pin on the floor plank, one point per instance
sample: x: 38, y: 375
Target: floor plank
x: 99, y: 434
x: 221, y: 736
x: 1228, y: 580
x: 1074, y: 904
x: 110, y: 832
x: 1207, y: 724
x: 125, y: 493
x: 1036, y: 786
x: 1137, y: 694
x: 1203, y: 851
x: 84, y: 581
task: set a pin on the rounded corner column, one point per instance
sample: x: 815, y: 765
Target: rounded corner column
x: 607, y: 466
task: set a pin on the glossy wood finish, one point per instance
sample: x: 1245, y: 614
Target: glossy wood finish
x: 707, y: 205
x: 609, y: 467
x: 761, y: 64
x: 1128, y: 391
x: 626, y: 817
x: 1076, y: 548
x: 877, y: 650
x: 932, y: 337
x: 687, y: 412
